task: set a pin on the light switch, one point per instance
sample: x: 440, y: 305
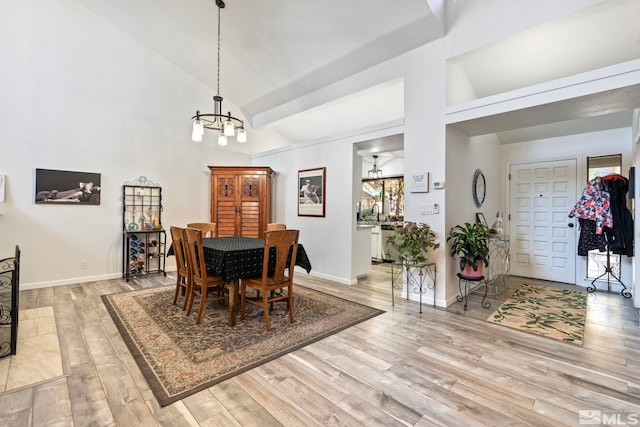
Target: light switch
x: 429, y: 209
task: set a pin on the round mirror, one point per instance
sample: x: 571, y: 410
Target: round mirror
x: 479, y: 188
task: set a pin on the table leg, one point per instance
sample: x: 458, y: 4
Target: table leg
x: 234, y: 292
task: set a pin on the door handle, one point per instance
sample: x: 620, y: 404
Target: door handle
x: 570, y: 225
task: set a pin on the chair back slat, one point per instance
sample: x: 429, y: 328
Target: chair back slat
x: 196, y: 255
x: 208, y: 229
x: 284, y: 241
x: 276, y: 226
x: 179, y: 245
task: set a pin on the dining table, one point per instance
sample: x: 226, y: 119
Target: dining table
x: 236, y: 257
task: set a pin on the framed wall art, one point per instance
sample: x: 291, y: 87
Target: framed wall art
x: 311, y: 192
x: 66, y: 187
x: 480, y: 219
x: 420, y: 182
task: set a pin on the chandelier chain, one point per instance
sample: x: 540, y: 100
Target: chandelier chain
x: 218, y: 50
x: 226, y: 124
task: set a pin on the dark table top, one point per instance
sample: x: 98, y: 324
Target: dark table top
x: 235, y: 257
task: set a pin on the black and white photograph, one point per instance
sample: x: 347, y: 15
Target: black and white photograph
x: 67, y: 187
x: 311, y: 184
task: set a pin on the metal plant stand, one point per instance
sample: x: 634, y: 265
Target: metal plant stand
x: 415, y: 278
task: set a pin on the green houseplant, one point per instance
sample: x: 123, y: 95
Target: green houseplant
x: 470, y: 243
x: 412, y: 240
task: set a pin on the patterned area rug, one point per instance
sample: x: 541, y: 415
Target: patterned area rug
x: 179, y: 358
x: 551, y: 312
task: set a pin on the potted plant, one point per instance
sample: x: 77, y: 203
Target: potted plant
x: 412, y: 240
x: 470, y: 243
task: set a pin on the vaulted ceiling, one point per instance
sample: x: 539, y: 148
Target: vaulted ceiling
x: 276, y: 51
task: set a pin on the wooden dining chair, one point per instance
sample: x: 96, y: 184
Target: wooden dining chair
x: 202, y: 281
x: 209, y: 229
x: 276, y: 226
x: 283, y: 240
x: 183, y: 279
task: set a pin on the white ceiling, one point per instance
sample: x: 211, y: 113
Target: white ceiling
x: 275, y: 51
x: 596, y: 37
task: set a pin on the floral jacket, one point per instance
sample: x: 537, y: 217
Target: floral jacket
x: 595, y: 205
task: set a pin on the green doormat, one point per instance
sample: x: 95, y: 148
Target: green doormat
x: 542, y: 310
x: 179, y: 358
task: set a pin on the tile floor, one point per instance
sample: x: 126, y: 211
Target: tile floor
x: 38, y: 357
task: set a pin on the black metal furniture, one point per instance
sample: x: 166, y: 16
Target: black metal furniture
x: 415, y: 277
x: 9, y: 292
x: 144, y: 239
x: 472, y: 283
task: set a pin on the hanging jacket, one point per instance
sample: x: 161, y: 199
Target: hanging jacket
x: 620, y: 236
x: 594, y: 205
x: 589, y: 240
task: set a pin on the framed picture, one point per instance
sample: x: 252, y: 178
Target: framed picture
x: 420, y: 182
x: 66, y: 187
x: 480, y: 219
x: 311, y: 192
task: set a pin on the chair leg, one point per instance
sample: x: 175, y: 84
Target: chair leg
x: 187, y: 295
x: 203, y: 300
x: 178, y: 286
x: 265, y: 305
x: 290, y: 304
x: 191, y: 298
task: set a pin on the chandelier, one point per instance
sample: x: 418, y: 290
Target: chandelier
x: 225, y: 124
x: 375, y: 172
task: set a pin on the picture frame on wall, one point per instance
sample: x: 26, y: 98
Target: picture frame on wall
x: 419, y: 182
x: 67, y: 187
x: 311, y: 192
x: 480, y: 219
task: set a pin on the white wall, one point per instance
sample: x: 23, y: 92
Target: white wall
x: 464, y: 156
x: 329, y: 240
x: 80, y: 95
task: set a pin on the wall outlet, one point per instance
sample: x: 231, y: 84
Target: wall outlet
x: 83, y: 264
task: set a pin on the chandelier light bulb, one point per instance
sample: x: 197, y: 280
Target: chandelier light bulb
x: 229, y: 129
x: 242, y: 136
x: 222, y: 139
x: 198, y: 131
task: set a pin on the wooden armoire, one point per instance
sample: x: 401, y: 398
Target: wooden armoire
x: 241, y: 199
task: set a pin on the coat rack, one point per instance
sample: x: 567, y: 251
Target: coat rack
x: 595, y: 195
x: 608, y: 271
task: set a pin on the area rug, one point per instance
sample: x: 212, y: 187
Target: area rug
x: 179, y: 358
x: 542, y: 310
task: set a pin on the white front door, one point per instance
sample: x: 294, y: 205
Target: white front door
x: 543, y: 243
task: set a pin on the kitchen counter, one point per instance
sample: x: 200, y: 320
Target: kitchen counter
x: 384, y: 225
x: 363, y: 226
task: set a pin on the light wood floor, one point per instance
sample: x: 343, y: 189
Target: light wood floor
x: 402, y: 368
